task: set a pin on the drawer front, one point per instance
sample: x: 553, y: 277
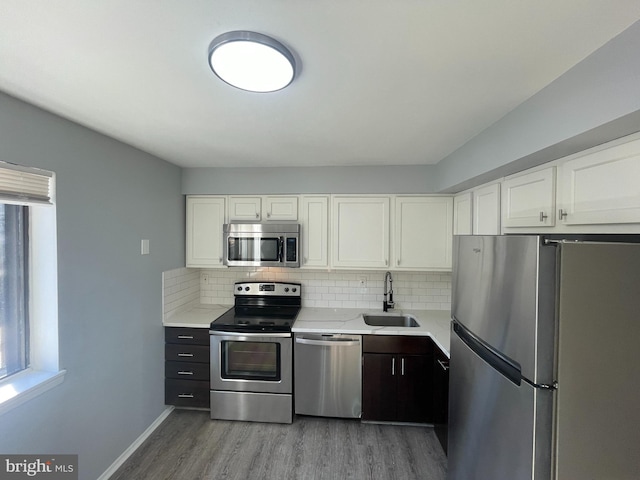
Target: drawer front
x: 186, y: 353
x: 186, y: 393
x: 397, y: 344
x: 194, y: 336
x: 187, y: 370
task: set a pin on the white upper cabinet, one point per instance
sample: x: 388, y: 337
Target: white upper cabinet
x: 462, y: 214
x: 423, y: 233
x: 602, y: 187
x: 280, y: 208
x: 268, y: 208
x: 528, y: 200
x: 205, y: 218
x: 486, y: 210
x: 247, y: 209
x: 360, y: 232
x: 314, y: 221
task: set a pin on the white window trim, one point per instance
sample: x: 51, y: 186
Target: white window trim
x: 44, y: 372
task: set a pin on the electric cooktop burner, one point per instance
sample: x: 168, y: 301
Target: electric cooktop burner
x: 261, y: 307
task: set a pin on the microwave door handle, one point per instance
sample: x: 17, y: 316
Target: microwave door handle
x: 281, y: 250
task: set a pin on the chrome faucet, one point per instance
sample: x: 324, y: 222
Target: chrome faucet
x: 388, y: 297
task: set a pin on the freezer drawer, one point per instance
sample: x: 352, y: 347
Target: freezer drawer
x: 328, y: 375
x: 497, y: 429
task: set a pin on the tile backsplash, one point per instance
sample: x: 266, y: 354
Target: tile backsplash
x: 336, y: 288
x: 180, y: 288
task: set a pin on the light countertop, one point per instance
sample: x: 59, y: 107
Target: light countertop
x: 433, y: 323
x: 197, y: 316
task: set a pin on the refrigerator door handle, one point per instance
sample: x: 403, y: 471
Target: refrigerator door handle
x: 507, y: 367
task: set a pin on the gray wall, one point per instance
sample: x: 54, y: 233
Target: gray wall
x: 110, y: 196
x: 224, y: 181
x: 595, y: 101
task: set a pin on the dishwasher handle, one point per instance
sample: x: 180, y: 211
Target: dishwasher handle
x: 336, y: 342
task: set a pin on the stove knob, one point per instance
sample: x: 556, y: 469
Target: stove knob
x: 239, y: 289
x: 246, y: 289
x: 286, y: 289
x: 294, y: 289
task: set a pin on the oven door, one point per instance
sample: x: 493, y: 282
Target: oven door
x: 252, y: 362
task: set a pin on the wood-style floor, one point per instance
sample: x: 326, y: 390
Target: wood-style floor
x: 190, y: 446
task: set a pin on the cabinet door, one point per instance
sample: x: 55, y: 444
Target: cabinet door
x: 281, y: 208
x: 248, y: 209
x: 423, y: 233
x: 414, y: 374
x: 601, y: 187
x: 529, y: 200
x: 314, y: 221
x: 205, y: 218
x: 462, y: 214
x: 360, y: 232
x: 486, y: 210
x: 379, y: 393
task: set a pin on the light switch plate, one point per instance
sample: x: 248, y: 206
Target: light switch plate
x: 144, y: 247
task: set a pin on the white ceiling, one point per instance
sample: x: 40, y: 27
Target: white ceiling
x: 395, y: 82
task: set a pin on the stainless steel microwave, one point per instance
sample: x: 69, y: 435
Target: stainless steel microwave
x: 262, y: 245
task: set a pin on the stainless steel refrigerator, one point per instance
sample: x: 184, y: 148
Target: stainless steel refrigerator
x: 545, y: 359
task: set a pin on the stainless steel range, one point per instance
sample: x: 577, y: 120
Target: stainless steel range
x: 252, y: 354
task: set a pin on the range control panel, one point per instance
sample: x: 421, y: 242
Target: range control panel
x: 280, y: 289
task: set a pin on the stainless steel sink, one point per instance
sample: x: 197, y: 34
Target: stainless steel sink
x: 390, y: 320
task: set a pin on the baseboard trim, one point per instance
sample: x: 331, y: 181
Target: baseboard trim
x: 134, y: 446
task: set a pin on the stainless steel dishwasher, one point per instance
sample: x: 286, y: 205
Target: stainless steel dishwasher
x: 328, y: 375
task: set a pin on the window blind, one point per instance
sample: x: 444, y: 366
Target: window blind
x: 24, y: 185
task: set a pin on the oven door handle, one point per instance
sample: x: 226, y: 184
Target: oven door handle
x: 218, y: 333
x: 328, y: 343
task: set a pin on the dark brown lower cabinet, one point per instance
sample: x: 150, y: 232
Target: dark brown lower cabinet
x: 186, y: 367
x: 397, y: 378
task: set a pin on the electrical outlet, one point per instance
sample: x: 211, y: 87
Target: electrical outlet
x: 362, y: 280
x: 205, y: 278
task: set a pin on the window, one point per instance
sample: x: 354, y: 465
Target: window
x: 28, y: 285
x: 14, y: 281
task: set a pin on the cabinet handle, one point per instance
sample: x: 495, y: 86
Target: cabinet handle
x: 268, y: 214
x: 257, y: 215
x: 562, y: 214
x: 386, y: 262
x: 185, y: 354
x: 402, y: 366
x: 184, y: 372
x: 186, y: 337
x: 393, y: 366
x: 398, y: 262
x: 543, y: 217
x: 444, y: 365
x: 185, y: 395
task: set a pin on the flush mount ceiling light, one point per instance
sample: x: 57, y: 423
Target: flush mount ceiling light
x: 251, y: 61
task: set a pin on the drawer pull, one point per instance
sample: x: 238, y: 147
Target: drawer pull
x: 444, y: 365
x: 185, y: 354
x: 393, y: 366
x: 184, y: 372
x: 543, y: 217
x: 186, y: 337
x: 402, y: 366
x: 185, y: 395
